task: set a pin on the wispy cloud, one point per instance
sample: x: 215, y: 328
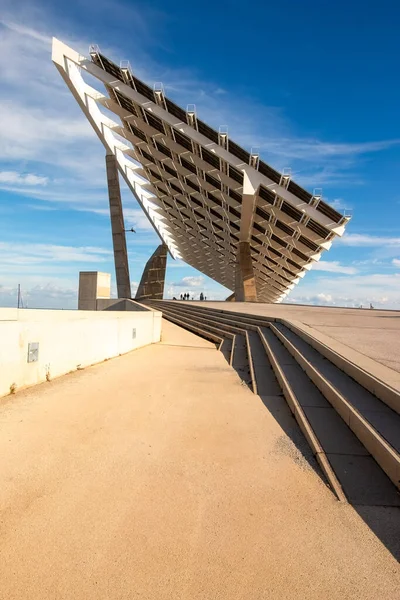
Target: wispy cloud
x: 380, y: 289
x: 28, y: 254
x: 366, y: 240
x: 12, y: 177
x: 334, y: 267
x: 189, y: 282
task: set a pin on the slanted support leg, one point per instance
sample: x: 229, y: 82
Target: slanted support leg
x: 245, y: 282
x: 153, y: 279
x: 118, y: 229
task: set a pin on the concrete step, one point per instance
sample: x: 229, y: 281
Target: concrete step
x: 350, y: 469
x: 240, y: 318
x: 371, y: 422
x: 202, y: 319
x: 380, y: 389
x: 212, y: 334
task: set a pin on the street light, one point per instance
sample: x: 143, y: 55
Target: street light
x: 131, y: 230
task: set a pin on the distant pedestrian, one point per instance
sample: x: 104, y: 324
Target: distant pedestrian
x: 205, y: 298
x: 181, y: 296
x: 201, y: 296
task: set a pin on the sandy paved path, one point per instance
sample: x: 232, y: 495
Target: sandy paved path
x: 157, y: 475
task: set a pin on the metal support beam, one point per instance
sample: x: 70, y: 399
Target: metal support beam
x: 118, y: 229
x: 152, y: 282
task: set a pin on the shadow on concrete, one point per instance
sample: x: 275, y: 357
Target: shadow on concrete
x: 273, y: 399
x: 366, y: 486
x: 384, y: 521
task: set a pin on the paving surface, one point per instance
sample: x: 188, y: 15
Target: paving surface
x: 158, y: 475
x: 374, y: 333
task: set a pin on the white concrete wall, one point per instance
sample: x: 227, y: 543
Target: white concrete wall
x: 68, y: 340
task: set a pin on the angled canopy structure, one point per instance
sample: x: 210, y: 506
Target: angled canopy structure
x: 216, y: 206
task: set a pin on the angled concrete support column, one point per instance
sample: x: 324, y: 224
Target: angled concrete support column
x: 245, y: 282
x: 118, y: 229
x: 152, y: 282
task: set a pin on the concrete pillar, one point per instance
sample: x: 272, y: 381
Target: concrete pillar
x: 93, y: 286
x: 245, y: 282
x: 118, y: 229
x: 152, y: 282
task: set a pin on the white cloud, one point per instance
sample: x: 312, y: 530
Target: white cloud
x: 339, y: 204
x: 380, y: 289
x: 396, y: 262
x: 333, y: 267
x: 12, y: 177
x: 26, y: 255
x: 357, y: 239
x: 42, y: 295
x: 192, y: 281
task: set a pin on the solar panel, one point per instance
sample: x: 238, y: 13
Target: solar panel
x: 161, y: 148
x: 210, y: 158
x: 212, y: 181
x: 266, y: 195
x: 283, y: 227
x: 320, y: 230
x: 138, y: 132
x: 238, y: 152
x: 107, y: 65
x: 269, y: 172
x: 183, y: 140
x: 306, y: 242
x: 262, y: 213
x: 207, y: 131
x: 169, y: 170
x: 299, y: 192
x: 191, y: 184
x: 126, y: 103
x: 143, y: 89
x: 147, y: 155
x: 176, y: 110
x: 278, y: 241
x: 214, y: 198
x: 155, y: 122
x: 258, y: 228
x: 175, y: 188
x: 235, y: 174
x: 291, y: 211
x: 235, y: 195
x: 300, y: 254
x: 329, y: 212
x: 188, y: 165
x: 184, y: 144
x: 294, y: 264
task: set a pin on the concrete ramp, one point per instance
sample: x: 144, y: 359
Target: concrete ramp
x: 159, y: 475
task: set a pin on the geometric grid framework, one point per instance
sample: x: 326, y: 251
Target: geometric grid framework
x: 202, y: 192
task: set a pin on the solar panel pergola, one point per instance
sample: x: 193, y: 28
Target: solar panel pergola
x: 216, y: 206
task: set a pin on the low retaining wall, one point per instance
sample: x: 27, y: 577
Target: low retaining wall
x: 37, y: 345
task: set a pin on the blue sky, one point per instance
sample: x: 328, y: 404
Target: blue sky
x: 312, y: 84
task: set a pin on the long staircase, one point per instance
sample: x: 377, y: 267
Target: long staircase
x: 350, y: 419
